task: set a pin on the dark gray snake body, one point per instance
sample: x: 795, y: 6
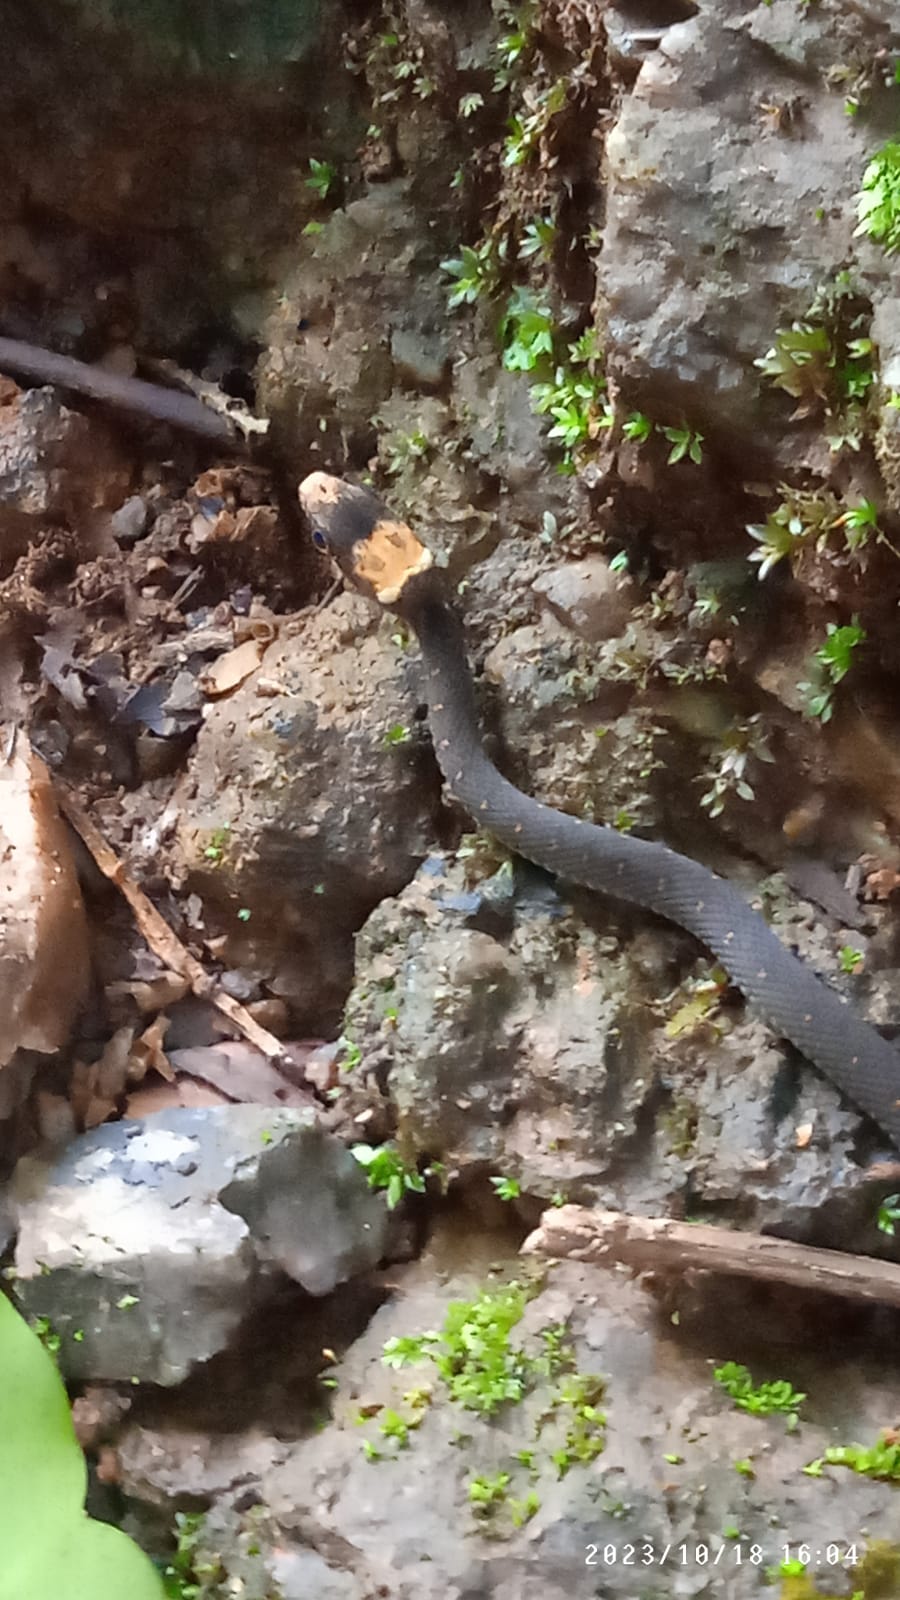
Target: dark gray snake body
x: 792, y: 999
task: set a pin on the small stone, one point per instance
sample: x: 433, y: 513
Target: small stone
x: 588, y: 597
x: 129, y: 523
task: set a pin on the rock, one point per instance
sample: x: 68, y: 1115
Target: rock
x: 421, y: 359
x: 43, y: 930
x: 524, y: 1041
x: 588, y: 597
x: 55, y: 465
x: 724, y: 218
x: 311, y: 815
x: 341, y: 367
x: 577, y: 735
x: 663, y: 1482
x: 146, y: 1244
x: 129, y: 523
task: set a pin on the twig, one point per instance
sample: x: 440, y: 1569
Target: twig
x: 656, y: 1244
x: 179, y: 410
x: 160, y: 937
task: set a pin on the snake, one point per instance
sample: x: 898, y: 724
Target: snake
x: 383, y: 559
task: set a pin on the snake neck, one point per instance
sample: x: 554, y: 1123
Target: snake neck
x: 449, y: 688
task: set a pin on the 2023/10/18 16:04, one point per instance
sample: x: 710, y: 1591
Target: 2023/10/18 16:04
x: 730, y: 1552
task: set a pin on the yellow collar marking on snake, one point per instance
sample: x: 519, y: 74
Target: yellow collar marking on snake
x: 388, y: 558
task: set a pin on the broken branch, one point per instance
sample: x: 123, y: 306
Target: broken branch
x: 658, y: 1244
x: 162, y: 940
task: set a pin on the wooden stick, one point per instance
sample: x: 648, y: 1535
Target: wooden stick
x: 179, y: 410
x: 160, y: 937
x: 656, y: 1244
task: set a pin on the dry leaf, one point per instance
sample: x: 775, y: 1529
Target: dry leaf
x: 44, y: 954
x: 233, y: 668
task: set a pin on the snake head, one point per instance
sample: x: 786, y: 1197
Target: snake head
x: 377, y: 554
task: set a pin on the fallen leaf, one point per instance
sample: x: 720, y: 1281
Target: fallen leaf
x: 233, y: 668
x: 44, y: 955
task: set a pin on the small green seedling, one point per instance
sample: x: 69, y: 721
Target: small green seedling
x: 767, y: 1399
x: 321, y: 177
x: 878, y: 202
x: 385, y: 1169
x: 889, y: 1215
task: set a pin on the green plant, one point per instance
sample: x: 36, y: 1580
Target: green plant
x: 487, y: 1493
x: 522, y: 1510
x: 218, y: 839
x: 469, y: 104
x: 50, y: 1339
x: 833, y: 661
x: 889, y: 1215
x: 800, y: 361
x: 514, y: 46
x: 637, y: 427
x: 475, y: 270
x: 878, y: 202
x: 396, y: 734
x: 585, y: 1435
x: 321, y: 177
x: 386, y: 1169
x: 806, y: 520
x: 188, y: 1575
x: 351, y: 1052
x: 880, y: 1460
x: 538, y: 239
x: 473, y: 1353
x: 396, y: 1428
x: 859, y: 524
x: 744, y: 741
x: 402, y: 449
x: 484, y: 1371
x: 50, y: 1548
x: 526, y: 332
x: 850, y: 959
x: 506, y: 1188
x: 775, y: 1397
x: 686, y: 445
x: 826, y: 361
x: 527, y: 130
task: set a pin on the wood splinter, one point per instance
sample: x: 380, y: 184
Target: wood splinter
x: 159, y: 936
x: 658, y: 1244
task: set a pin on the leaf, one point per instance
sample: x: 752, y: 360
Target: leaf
x: 51, y: 1550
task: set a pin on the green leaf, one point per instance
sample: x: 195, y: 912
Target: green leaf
x: 878, y: 202
x: 51, y: 1550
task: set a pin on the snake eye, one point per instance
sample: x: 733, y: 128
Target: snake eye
x: 319, y: 539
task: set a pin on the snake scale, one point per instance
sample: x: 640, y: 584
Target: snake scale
x: 384, y: 560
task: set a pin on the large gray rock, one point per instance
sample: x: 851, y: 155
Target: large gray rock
x: 732, y: 174
x: 147, y: 1244
x: 512, y: 1036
